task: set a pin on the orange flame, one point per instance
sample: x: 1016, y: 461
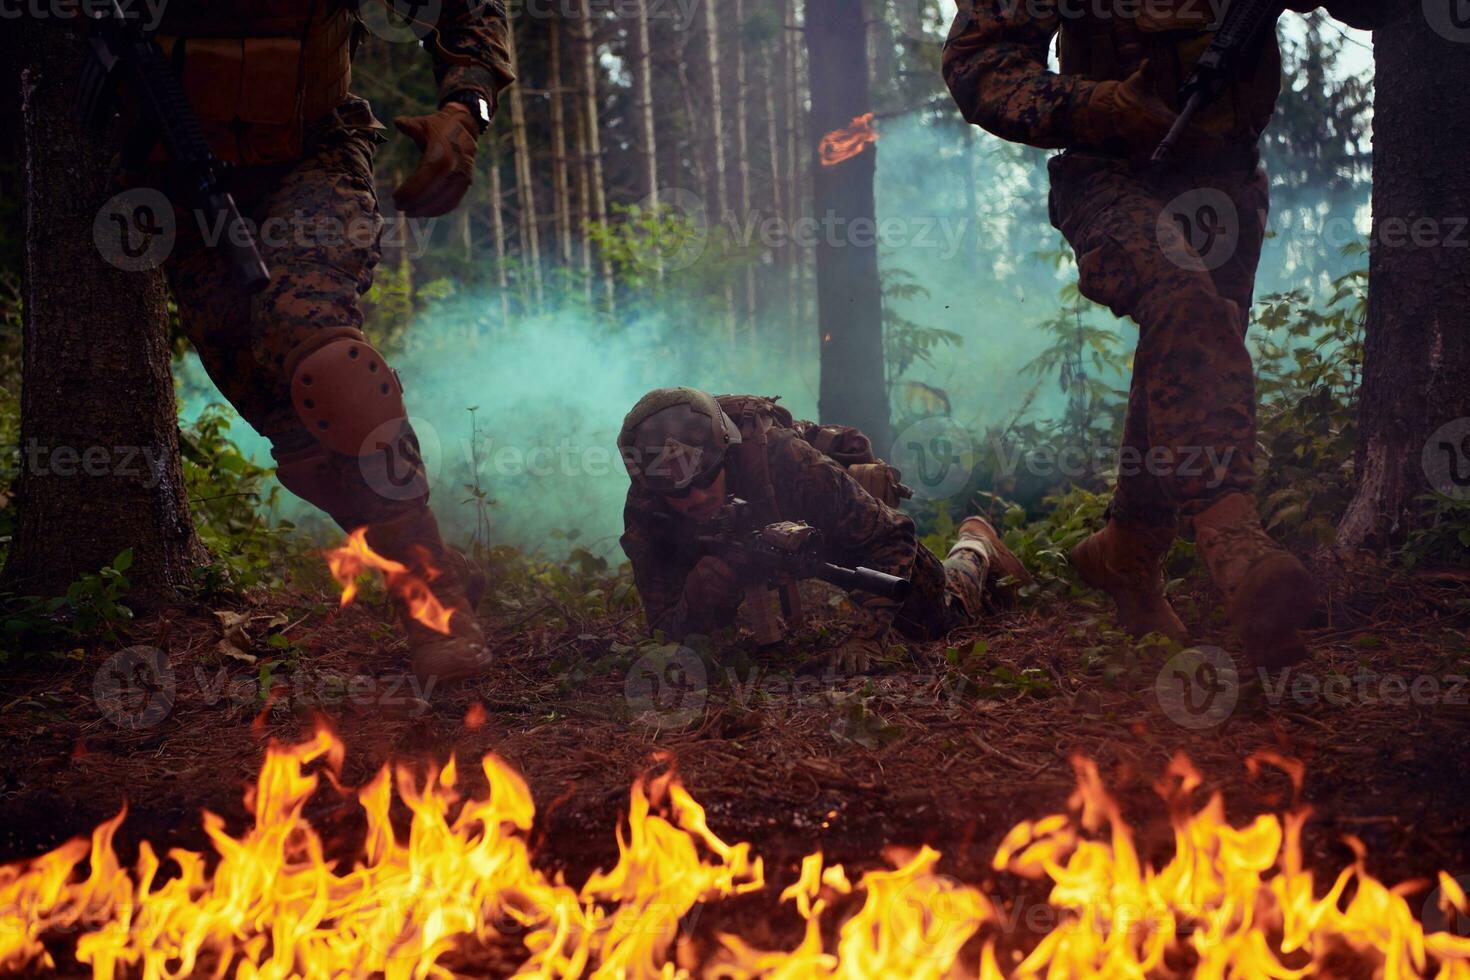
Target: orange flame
x: 356, y: 556
x: 1232, y: 902
x: 844, y: 144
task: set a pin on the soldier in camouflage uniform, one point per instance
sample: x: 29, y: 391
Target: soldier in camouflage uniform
x: 270, y: 82
x: 1189, y: 435
x: 686, y: 454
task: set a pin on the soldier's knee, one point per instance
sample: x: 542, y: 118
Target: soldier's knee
x: 344, y: 393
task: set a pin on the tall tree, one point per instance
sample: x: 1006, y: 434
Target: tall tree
x: 525, y: 178
x: 587, y: 37
x: 849, y: 293
x: 560, y: 199
x: 1414, y: 414
x: 716, y: 193
x: 643, y: 88
x: 742, y: 147
x: 99, y: 450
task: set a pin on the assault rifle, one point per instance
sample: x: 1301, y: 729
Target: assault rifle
x: 121, y: 50
x: 1233, y: 51
x: 779, y: 556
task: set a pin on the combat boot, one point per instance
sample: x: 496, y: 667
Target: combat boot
x: 413, y: 539
x: 1269, y: 595
x: 977, y: 534
x: 1127, y: 562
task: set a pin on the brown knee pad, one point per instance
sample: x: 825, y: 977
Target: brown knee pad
x: 345, y: 393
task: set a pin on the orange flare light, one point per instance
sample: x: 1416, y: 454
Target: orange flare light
x: 462, y: 883
x: 356, y: 557
x: 844, y: 144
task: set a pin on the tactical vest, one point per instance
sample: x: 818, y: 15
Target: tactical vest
x: 258, y: 71
x: 1110, y: 39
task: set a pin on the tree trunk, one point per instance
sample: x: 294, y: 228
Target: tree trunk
x: 742, y: 149
x: 584, y: 196
x: 99, y: 444
x: 497, y: 229
x: 594, y: 140
x: 643, y: 95
x: 525, y: 187
x: 560, y: 198
x: 849, y: 293
x: 1414, y: 415
x: 717, y: 191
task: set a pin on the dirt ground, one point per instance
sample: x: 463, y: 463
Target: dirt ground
x: 949, y: 745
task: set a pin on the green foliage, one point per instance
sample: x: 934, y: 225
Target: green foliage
x: 580, y: 589
x: 1441, y: 539
x: 905, y: 342
x: 91, y: 606
x: 229, y: 501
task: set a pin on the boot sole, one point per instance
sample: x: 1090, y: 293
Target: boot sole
x: 1276, y: 602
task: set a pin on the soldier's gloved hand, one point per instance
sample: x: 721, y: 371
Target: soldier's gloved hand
x: 449, y: 141
x: 1125, y: 117
x: 712, y: 590
x: 855, y: 655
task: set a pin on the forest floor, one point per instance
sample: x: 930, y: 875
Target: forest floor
x: 950, y: 744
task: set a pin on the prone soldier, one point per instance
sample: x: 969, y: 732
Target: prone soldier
x: 1192, y: 394
x: 689, y: 453
x: 270, y: 82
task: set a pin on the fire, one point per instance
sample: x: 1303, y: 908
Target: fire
x: 1232, y: 902
x: 844, y: 144
x: 356, y: 557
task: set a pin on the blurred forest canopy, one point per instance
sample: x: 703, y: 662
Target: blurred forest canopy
x: 526, y: 323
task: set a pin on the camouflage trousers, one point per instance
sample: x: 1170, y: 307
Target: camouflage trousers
x: 946, y: 595
x: 1177, y: 252
x: 319, y: 230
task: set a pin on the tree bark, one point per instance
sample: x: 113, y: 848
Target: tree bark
x: 643, y: 89
x: 742, y: 149
x: 100, y: 470
x: 717, y: 192
x: 560, y: 194
x: 525, y: 187
x: 1414, y: 413
x: 849, y: 293
x: 497, y: 229
x: 594, y: 141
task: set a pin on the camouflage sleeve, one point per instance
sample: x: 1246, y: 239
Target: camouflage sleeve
x: 995, y: 63
x: 658, y: 575
x: 472, y: 49
x: 857, y: 528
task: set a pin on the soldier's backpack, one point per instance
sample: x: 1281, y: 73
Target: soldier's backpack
x: 845, y: 445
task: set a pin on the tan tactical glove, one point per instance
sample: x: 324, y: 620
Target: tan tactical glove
x: 1125, y: 118
x: 855, y: 655
x: 712, y: 590
x: 449, y: 141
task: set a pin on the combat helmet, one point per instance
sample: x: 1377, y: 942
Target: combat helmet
x: 674, y: 437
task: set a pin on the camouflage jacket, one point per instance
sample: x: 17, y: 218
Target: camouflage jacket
x: 857, y: 530
x: 996, y: 61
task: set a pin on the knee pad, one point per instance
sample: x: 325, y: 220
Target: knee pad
x: 344, y: 392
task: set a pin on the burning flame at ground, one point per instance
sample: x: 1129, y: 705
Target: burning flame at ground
x: 844, y: 144
x: 356, y: 556
x: 1232, y: 901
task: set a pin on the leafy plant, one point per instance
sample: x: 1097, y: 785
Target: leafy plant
x: 92, y: 605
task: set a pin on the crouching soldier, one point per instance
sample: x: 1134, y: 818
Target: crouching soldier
x: 689, y: 454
